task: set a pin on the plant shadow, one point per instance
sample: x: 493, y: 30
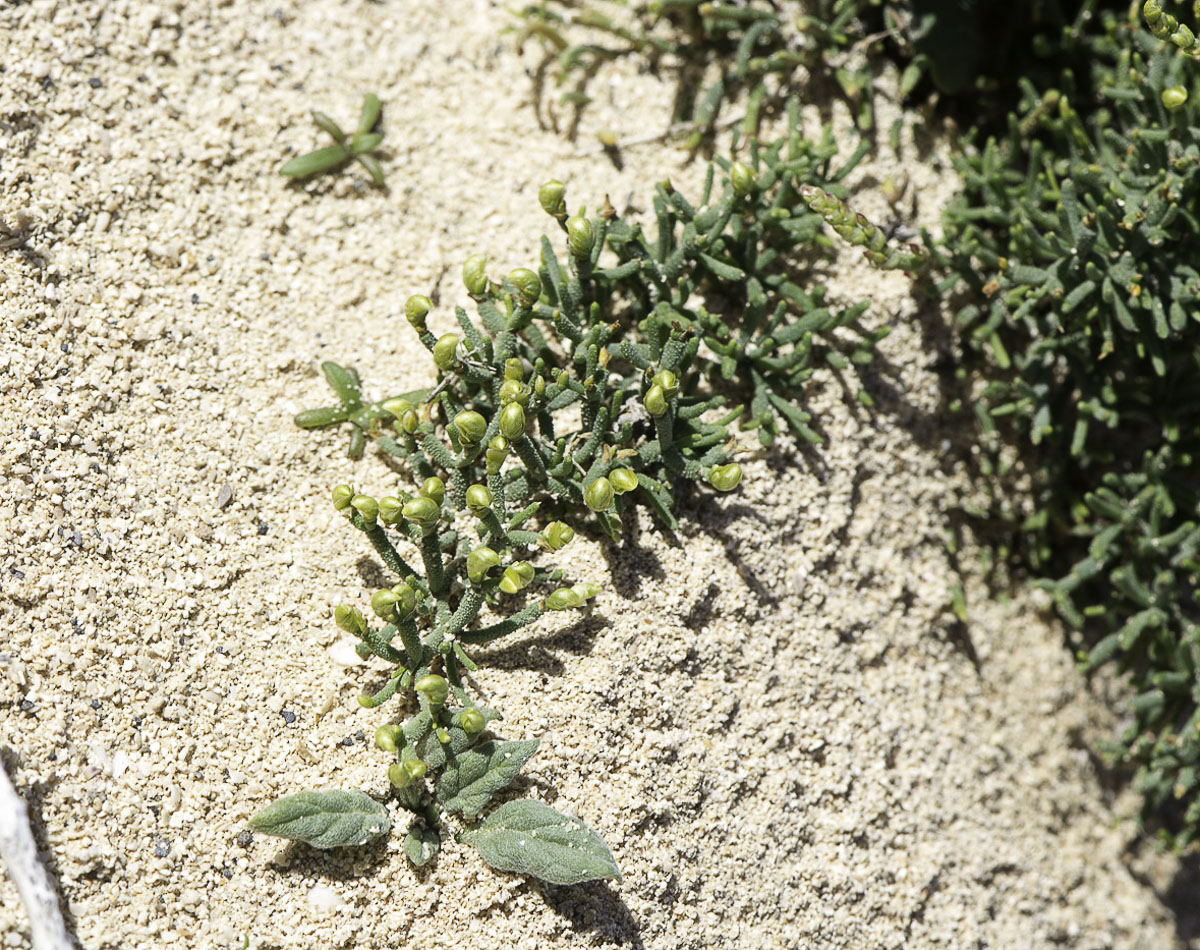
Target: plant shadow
x: 595, y: 909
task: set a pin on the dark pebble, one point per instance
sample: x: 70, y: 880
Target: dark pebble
x: 244, y: 839
x: 96, y: 702
x: 26, y: 705
x: 162, y: 848
x: 288, y: 716
x: 225, y: 496
x: 348, y: 741
x: 360, y: 736
x: 262, y: 529
x: 195, y: 298
x: 227, y: 873
x: 95, y: 82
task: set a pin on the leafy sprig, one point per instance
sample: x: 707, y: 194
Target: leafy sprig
x: 359, y: 146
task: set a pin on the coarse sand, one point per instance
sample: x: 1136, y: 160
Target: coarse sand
x: 773, y: 720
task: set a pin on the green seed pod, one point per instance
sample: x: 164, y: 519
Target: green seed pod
x: 398, y: 776
x: 435, y: 688
x: 410, y: 421
x: 556, y: 535
x: 513, y: 390
x: 342, y: 496
x: 479, y: 499
x: 743, y: 179
x: 387, y: 738
x: 472, y: 721
x: 390, y: 509
x: 552, y: 196
x: 668, y: 381
x: 655, y: 401
x: 416, y: 769
x: 474, y: 274
x: 517, y: 576
x: 623, y: 480
x: 725, y: 477
x: 528, y: 285
x: 445, y: 352
x: 416, y: 308
x: 434, y: 488
x: 471, y: 426
x: 512, y: 421
x: 396, y: 407
x: 423, y: 510
x: 406, y: 600
x: 1174, y: 97
x: 366, y: 506
x: 479, y: 562
x: 350, y: 619
x: 599, y: 494
x: 497, y: 452
x: 581, y: 237
x: 563, y: 599
x: 383, y: 602
x: 514, y: 369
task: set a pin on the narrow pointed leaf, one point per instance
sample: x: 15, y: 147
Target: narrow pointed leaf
x: 313, y: 163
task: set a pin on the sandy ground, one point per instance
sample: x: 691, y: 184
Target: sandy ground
x: 773, y: 723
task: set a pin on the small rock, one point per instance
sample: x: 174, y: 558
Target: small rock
x: 288, y: 716
x: 244, y: 839
x: 225, y: 496
x: 162, y: 848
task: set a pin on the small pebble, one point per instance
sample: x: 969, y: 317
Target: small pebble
x: 288, y: 716
x: 95, y: 82
x: 244, y: 839
x: 162, y: 848
x: 225, y: 496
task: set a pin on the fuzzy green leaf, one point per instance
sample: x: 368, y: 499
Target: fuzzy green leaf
x: 330, y: 819
x: 421, y: 843
x: 527, y: 837
x: 470, y: 780
x: 313, y: 163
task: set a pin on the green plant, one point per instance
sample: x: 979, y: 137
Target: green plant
x: 359, y: 147
x: 723, y: 52
x: 1076, y: 242
x: 600, y: 381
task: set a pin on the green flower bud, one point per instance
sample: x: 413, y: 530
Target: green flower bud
x: 655, y: 401
x: 623, y: 480
x: 435, y: 688
x: 552, y: 196
x: 539, y: 386
x: 416, y: 769
x: 517, y: 576
x: 410, y: 421
x: 387, y: 738
x: 396, y: 407
x: 350, y: 619
x: 416, y: 308
x: 556, y: 535
x: 743, y: 179
x: 383, y: 602
x: 434, y: 488
x: 513, y: 390
x: 479, y: 562
x: 581, y: 237
x: 474, y: 274
x: 528, y: 285
x: 366, y: 506
x: 725, y: 477
x: 1174, y: 97
x: 479, y: 499
x: 445, y: 351
x: 599, y: 494
x: 342, y: 496
x: 390, y: 509
x: 512, y: 421
x: 563, y: 599
x: 471, y: 426
x: 668, y: 381
x: 587, y: 591
x: 406, y: 600
x: 472, y: 721
x: 514, y: 369
x: 399, y: 776
x: 497, y: 452
x: 423, y: 510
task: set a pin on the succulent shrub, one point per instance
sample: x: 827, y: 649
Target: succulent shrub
x: 609, y: 376
x: 1077, y: 241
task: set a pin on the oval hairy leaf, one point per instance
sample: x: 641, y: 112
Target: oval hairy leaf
x: 531, y: 838
x: 469, y: 780
x: 330, y: 819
